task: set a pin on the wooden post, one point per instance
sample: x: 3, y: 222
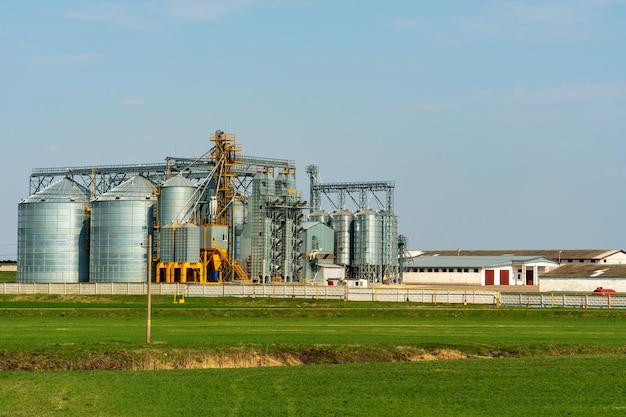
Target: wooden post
x: 149, y: 297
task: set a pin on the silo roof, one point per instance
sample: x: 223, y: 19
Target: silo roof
x: 135, y: 188
x: 179, y: 181
x: 62, y: 191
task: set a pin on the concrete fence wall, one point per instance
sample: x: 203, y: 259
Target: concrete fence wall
x: 428, y: 296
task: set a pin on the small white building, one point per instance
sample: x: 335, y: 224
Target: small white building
x: 476, y: 270
x: 584, y: 278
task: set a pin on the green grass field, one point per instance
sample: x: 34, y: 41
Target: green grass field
x: 363, y: 359
x: 7, y: 276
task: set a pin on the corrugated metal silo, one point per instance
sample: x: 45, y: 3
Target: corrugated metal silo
x: 367, y: 238
x: 177, y: 199
x: 263, y: 190
x: 239, y: 213
x: 320, y: 216
x: 389, y: 224
x: 121, y: 220
x: 342, y: 222
x: 52, y: 238
x: 285, y: 184
x: 180, y: 243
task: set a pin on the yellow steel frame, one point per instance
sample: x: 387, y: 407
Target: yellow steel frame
x: 227, y: 155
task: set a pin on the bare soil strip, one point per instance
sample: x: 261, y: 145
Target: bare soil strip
x: 155, y: 359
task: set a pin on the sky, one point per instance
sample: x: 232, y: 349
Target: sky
x: 501, y: 123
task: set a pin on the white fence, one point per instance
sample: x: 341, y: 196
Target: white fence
x: 562, y: 300
x: 416, y: 295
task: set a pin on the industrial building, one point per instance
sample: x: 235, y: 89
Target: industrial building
x: 544, y: 269
x: 221, y: 217
x: 477, y: 270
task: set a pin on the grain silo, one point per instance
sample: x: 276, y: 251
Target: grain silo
x: 179, y: 239
x: 177, y: 200
x: 179, y: 243
x: 260, y: 226
x: 342, y: 222
x: 367, y: 262
x: 239, y: 215
x: 389, y: 246
x: 321, y: 216
x: 121, y: 220
x: 52, y: 238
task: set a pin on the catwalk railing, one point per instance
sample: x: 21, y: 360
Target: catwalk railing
x: 389, y: 294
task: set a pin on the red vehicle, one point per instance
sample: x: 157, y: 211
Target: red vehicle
x: 604, y: 291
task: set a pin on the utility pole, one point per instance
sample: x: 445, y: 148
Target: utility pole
x: 149, y: 315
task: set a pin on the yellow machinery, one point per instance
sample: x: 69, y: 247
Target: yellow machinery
x: 219, y: 265
x: 180, y: 272
x: 215, y: 265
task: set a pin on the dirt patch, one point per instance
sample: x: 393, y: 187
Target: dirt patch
x: 445, y: 355
x: 157, y: 359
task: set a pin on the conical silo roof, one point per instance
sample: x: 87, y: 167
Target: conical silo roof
x: 62, y: 191
x: 179, y: 181
x: 135, y: 188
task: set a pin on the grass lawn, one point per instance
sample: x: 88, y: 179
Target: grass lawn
x: 537, y: 386
x: 363, y: 356
x: 7, y: 276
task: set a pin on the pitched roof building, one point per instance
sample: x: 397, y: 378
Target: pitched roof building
x: 564, y: 256
x: 585, y: 278
x: 476, y: 270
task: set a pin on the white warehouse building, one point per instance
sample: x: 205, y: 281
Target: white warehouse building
x: 476, y: 270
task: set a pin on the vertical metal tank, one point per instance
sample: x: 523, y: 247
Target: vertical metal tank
x: 177, y: 199
x: 180, y: 243
x: 390, y: 261
x: 285, y: 184
x: 367, y: 238
x: 263, y: 190
x: 320, y: 216
x: 239, y: 218
x: 342, y: 222
x: 52, y: 238
x: 121, y: 220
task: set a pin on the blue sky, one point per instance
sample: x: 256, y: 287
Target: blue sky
x: 502, y: 123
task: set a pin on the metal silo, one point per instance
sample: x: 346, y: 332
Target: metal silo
x: 320, y: 216
x: 367, y: 238
x: 285, y: 183
x: 180, y: 243
x: 52, y: 238
x: 389, y: 249
x: 239, y: 213
x: 342, y: 222
x: 367, y: 262
x: 121, y: 220
x: 261, y: 227
x: 177, y: 199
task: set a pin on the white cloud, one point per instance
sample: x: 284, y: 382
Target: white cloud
x: 58, y: 61
x: 569, y: 93
x: 132, y: 101
x: 535, y: 20
x: 147, y: 15
x: 403, y: 23
x: 549, y: 102
x: 434, y: 106
x: 206, y: 10
x: 614, y: 173
x: 124, y: 14
x: 52, y: 149
x: 527, y: 20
